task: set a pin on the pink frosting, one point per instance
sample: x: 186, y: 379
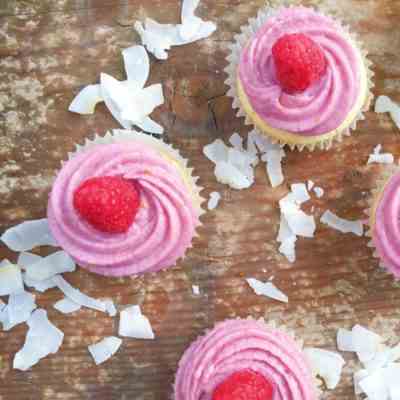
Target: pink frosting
x: 163, y: 227
x: 236, y: 345
x: 386, y: 230
x: 324, y: 105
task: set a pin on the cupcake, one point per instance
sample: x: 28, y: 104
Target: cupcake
x: 241, y: 359
x: 299, y: 77
x: 124, y: 204
x: 384, y: 221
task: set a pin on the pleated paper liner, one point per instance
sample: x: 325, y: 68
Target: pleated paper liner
x: 241, y: 103
x: 376, y: 195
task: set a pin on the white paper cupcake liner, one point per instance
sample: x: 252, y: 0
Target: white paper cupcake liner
x: 123, y: 135
x: 373, y: 202
x: 233, y: 58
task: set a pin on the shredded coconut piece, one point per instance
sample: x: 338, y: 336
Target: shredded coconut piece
x: 341, y: 224
x: 214, y: 200
x: 326, y: 364
x: 77, y: 296
x: 42, y: 339
x: 105, y: 349
x: 10, y: 278
x: 310, y: 184
x: 236, y: 141
x: 19, y: 308
x: 110, y: 307
x: 267, y: 289
x: 345, y: 340
x: 134, y: 324
x: 196, y: 290
x: 47, y: 267
x: 66, y: 306
x: 300, y: 193
x: 366, y: 343
x: 86, y: 100
x: 385, y: 104
x: 216, y: 151
x: 28, y: 235
x: 381, y: 158
x: 228, y: 174
x: 159, y: 38
x: 319, y: 192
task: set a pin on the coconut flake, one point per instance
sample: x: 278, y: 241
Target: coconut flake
x: 18, y: 310
x: 110, y: 307
x: 267, y: 289
x: 214, y: 200
x: 159, y: 38
x: 236, y: 141
x: 26, y: 259
x: 28, y: 235
x: 66, y: 306
x: 47, y: 267
x: 230, y: 175
x: 319, y: 192
x: 381, y: 158
x: 42, y: 339
x: 300, y: 193
x: 148, y: 125
x: 10, y: 278
x: 137, y: 64
x: 77, y: 296
x: 105, y: 349
x: 341, y: 224
x: 134, y: 324
x: 385, y: 104
x: 326, y: 364
x: 216, y: 151
x: 366, y: 343
x: 40, y: 286
x: 86, y: 100
x: 344, y: 340
x: 310, y: 184
x: 287, y: 239
x: 374, y: 386
x: 196, y: 290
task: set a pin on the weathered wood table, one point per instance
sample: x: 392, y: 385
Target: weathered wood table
x: 49, y: 49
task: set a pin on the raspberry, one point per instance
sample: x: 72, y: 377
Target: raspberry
x: 108, y: 203
x: 299, y: 62
x: 245, y: 384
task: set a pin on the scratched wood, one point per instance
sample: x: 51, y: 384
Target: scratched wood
x: 49, y: 49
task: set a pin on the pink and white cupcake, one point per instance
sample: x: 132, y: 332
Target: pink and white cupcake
x: 125, y: 204
x: 385, y: 220
x: 244, y: 359
x: 299, y: 77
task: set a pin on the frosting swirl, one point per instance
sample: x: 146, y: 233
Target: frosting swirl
x: 386, y: 228
x: 163, y: 227
x: 236, y: 345
x: 322, y: 107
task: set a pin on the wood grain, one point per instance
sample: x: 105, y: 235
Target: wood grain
x: 48, y: 51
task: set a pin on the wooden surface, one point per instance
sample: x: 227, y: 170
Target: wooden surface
x: 49, y: 49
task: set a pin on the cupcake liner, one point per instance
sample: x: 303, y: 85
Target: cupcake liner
x: 373, y: 202
x: 323, y: 142
x: 123, y: 135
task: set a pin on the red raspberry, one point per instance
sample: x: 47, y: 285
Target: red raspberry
x: 244, y: 385
x: 108, y: 203
x: 299, y: 62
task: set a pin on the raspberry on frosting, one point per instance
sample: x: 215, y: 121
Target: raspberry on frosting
x: 299, y: 62
x: 245, y: 384
x: 108, y: 203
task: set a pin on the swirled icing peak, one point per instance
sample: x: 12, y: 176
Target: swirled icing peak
x: 323, y: 106
x: 164, y: 224
x: 237, y: 345
x: 386, y: 229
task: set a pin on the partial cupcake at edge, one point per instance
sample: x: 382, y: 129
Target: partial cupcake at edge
x: 125, y: 204
x: 244, y: 359
x: 384, y: 220
x: 299, y: 76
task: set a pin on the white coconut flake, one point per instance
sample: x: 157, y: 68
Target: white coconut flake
x: 344, y: 340
x: 196, y: 290
x: 325, y: 364
x: 137, y: 64
x: 40, y: 286
x: 26, y: 259
x: 273, y: 159
x: 267, y: 289
x: 159, y: 38
x: 366, y: 343
x: 66, y: 306
x: 110, y: 307
x: 310, y: 184
x: 86, y: 100
x: 104, y: 349
x: 10, y: 278
x: 77, y: 296
x: 28, y: 235
x: 357, y: 378
x: 381, y: 158
x: 287, y: 239
x: 236, y: 141
x: 216, y: 151
x: 134, y: 324
x: 341, y: 224
x: 319, y: 192
x: 42, y: 339
x: 18, y: 310
x: 300, y: 193
x: 228, y: 174
x: 214, y: 200
x: 47, y: 267
x: 374, y: 386
x: 385, y: 104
